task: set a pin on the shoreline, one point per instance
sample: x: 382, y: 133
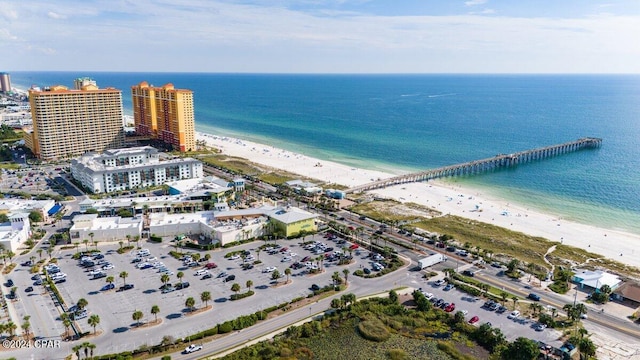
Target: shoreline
x: 447, y: 198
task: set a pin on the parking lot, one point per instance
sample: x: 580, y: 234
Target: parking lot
x: 115, y: 308
x: 511, y: 326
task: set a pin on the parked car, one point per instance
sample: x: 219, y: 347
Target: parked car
x: 182, y: 285
x: 125, y: 287
x: 315, y: 287
x: 211, y: 265
x: 230, y: 278
x: 514, y: 314
x: 207, y: 276
x: 168, y: 289
x: 450, y: 307
x: 108, y: 287
x: 440, y: 282
x: 29, y: 289
x: 448, y: 287
x: 474, y: 320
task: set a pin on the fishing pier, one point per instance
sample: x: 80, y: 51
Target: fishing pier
x: 499, y: 161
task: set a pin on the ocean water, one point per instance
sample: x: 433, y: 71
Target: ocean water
x: 403, y: 123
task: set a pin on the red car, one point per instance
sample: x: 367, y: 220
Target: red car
x: 354, y: 246
x: 474, y: 320
x: 211, y: 266
x: 450, y: 308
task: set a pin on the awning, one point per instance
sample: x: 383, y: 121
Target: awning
x: 54, y: 209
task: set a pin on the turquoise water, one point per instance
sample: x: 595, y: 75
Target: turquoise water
x: 401, y: 123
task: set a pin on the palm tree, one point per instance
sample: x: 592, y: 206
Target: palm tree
x: 275, y: 275
x: 50, y: 251
x: 91, y: 347
x: 587, y: 348
x: 196, y: 257
x: 165, y: 279
x: 11, y: 328
x: 155, y: 310
x: 287, y: 272
x: 82, y: 303
x: 568, y: 308
x: 580, y: 309
x: 346, y: 275
x: 190, y: 303
x: 120, y: 243
x: 504, y: 297
x: 94, y: 320
x: 205, y: 297
x: 10, y: 255
x: 515, y: 301
x: 249, y: 284
x: 77, y: 245
x: 91, y: 235
x: 336, y: 278
x: 76, y: 349
x: 95, y: 243
x: 235, y: 287
x: 180, y: 275
x: 207, y: 256
x: 110, y: 280
x: 136, y: 316
x: 86, y: 244
x: 65, y: 321
x: 123, y: 275
x: 39, y: 251
x: 26, y: 325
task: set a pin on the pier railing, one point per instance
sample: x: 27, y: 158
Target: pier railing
x: 480, y: 166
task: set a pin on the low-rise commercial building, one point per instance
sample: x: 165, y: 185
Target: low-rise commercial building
x: 15, y: 232
x: 105, y: 229
x: 46, y: 208
x: 131, y: 168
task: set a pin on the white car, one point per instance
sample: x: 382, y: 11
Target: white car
x: 201, y: 272
x: 94, y: 272
x: 192, y: 348
x: 234, y: 257
x: 285, y: 259
x: 269, y: 269
x: 108, y: 267
x: 514, y: 314
x: 440, y: 282
x: 465, y: 312
x: 293, y: 254
x: 143, y: 264
x: 152, y: 259
x: 429, y: 296
x: 57, y: 276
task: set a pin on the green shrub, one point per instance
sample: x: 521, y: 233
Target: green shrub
x: 242, y: 295
x: 397, y: 354
x: 225, y: 327
x: 373, y: 330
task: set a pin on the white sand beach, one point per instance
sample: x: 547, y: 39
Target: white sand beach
x: 616, y: 245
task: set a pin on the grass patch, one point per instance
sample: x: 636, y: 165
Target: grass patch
x: 373, y: 330
x: 388, y: 211
x: 234, y: 164
x: 277, y: 178
x: 9, y: 166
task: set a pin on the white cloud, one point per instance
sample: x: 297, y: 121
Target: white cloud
x: 225, y: 36
x: 56, y: 16
x: 474, y: 2
x: 6, y: 35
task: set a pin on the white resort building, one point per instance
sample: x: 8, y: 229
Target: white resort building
x: 131, y: 168
x: 15, y: 232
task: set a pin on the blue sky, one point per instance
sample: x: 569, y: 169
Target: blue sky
x: 322, y: 36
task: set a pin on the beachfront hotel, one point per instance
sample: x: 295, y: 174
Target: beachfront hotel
x: 5, y: 83
x: 131, y: 168
x: 165, y: 114
x: 71, y: 122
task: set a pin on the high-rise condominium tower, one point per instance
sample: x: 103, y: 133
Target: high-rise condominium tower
x: 68, y: 123
x: 165, y: 113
